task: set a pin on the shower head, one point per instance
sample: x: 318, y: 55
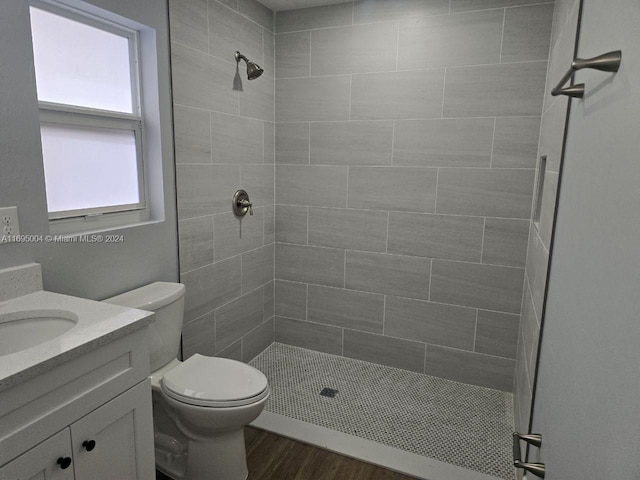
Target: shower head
x: 253, y: 70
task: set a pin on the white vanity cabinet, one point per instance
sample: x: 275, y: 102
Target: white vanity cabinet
x: 116, y: 441
x: 89, y: 418
x: 41, y: 462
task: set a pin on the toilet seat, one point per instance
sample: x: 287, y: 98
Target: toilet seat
x: 215, y: 382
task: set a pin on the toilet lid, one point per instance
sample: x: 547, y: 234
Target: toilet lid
x: 215, y: 382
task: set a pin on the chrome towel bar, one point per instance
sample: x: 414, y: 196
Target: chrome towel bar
x: 607, y: 62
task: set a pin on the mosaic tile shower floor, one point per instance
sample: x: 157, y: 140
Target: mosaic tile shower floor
x: 461, y: 424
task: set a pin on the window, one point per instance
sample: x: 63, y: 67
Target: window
x: 91, y: 125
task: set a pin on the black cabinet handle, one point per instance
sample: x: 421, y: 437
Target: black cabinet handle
x: 64, y: 462
x: 89, y: 445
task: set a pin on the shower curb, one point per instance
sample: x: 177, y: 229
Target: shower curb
x: 400, y: 461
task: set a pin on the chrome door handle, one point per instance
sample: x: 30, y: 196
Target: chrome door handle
x: 535, y: 439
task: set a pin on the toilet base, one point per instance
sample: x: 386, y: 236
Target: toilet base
x: 222, y: 457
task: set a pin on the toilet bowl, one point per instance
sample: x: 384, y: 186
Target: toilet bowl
x: 201, y: 405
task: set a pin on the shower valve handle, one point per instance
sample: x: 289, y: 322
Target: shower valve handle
x: 241, y: 203
x: 247, y: 204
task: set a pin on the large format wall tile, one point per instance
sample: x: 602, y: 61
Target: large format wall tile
x: 346, y: 308
x: 312, y: 186
x: 269, y: 142
x: 314, y: 17
x: 411, y: 94
x: 292, y: 143
x: 448, y: 40
x: 257, y: 12
x: 257, y: 340
x: 192, y: 133
x: 202, y: 81
x: 429, y: 322
x: 354, y: 49
x: 495, y: 90
x: 257, y: 267
x: 494, y: 192
x: 317, y: 265
x: 199, y: 336
x: 482, y: 286
x: 505, y: 242
x: 269, y: 54
x: 497, y: 334
x: 269, y: 224
x: 291, y: 299
x: 232, y: 352
x: 443, y: 143
x: 195, y: 197
x: 196, y: 242
x: 312, y: 99
x: 256, y: 99
x: 269, y: 290
x: 189, y: 23
x: 392, y: 188
x: 468, y: 367
x: 370, y: 11
x: 469, y: 5
x: 236, y: 139
x: 230, y: 31
x: 291, y: 224
x: 258, y: 180
x: 238, y: 318
x: 515, y: 142
x: 388, y: 274
x: 537, y: 265
x: 323, y: 338
x: 436, y: 236
x: 293, y: 55
x: 235, y: 235
x: 353, y: 229
x: 209, y: 287
x: 351, y: 143
x: 527, y: 33
x: 392, y: 352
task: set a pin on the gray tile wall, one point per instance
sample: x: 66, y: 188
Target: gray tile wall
x: 563, y: 34
x: 224, y: 141
x: 405, y: 147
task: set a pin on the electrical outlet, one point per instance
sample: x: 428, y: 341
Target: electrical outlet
x: 10, y: 224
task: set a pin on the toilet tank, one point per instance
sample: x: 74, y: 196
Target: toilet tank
x: 166, y: 300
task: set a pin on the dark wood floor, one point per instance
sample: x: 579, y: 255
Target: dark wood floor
x: 272, y: 457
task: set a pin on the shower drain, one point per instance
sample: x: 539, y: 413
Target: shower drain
x: 328, y: 392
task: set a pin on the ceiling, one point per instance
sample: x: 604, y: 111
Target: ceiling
x: 277, y: 5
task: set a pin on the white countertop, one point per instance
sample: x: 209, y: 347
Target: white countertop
x: 98, y: 323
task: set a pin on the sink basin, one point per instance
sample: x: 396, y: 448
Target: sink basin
x: 25, y: 329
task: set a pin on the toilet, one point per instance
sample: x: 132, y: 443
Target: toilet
x: 201, y: 405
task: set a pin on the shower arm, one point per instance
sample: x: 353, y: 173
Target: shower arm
x: 240, y: 56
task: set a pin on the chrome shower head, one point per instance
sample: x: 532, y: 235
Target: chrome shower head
x: 253, y: 70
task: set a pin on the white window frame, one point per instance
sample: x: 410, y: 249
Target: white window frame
x: 81, y: 220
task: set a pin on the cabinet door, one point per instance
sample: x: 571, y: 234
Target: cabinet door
x: 122, y: 431
x: 41, y: 462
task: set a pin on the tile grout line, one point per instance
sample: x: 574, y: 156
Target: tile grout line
x: 384, y: 313
x: 504, y: 21
x: 397, y: 44
x: 475, y: 332
x: 430, y: 272
x: 493, y: 141
x: 387, y: 240
x: 444, y: 91
x: 484, y: 233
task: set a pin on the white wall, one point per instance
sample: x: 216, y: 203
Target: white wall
x: 149, y: 252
